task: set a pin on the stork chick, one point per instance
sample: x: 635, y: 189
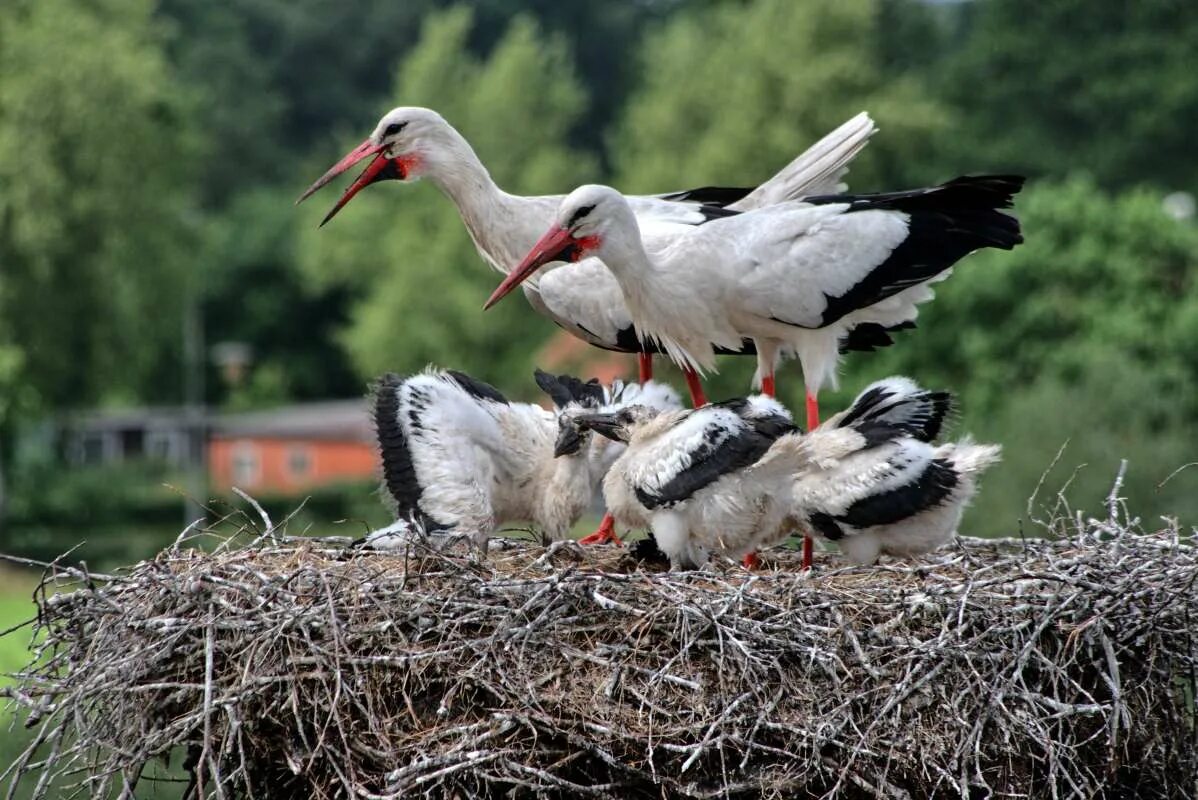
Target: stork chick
x: 869, y: 478
x: 459, y: 458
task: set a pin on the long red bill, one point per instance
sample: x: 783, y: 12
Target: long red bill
x: 379, y: 169
x: 364, y: 150
x: 550, y: 247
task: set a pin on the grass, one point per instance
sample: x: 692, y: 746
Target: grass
x: 16, y: 606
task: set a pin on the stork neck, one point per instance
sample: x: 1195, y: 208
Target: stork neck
x: 487, y: 211
x: 624, y: 254
x: 636, y: 272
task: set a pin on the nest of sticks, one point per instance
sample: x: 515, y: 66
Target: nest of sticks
x: 275, y: 667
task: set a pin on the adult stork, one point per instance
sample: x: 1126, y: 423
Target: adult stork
x: 869, y: 479
x: 795, y: 278
x: 459, y: 458
x: 409, y: 143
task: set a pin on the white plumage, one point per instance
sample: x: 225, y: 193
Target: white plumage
x: 410, y: 143
x: 737, y: 476
x: 461, y: 459
x: 796, y: 278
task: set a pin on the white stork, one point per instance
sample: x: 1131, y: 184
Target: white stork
x: 411, y: 143
x: 460, y: 459
x: 869, y: 479
x: 796, y: 277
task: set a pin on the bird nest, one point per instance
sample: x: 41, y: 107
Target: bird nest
x: 273, y: 667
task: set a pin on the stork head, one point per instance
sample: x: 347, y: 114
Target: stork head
x: 620, y: 425
x: 570, y: 396
x: 398, y: 149
x: 586, y: 218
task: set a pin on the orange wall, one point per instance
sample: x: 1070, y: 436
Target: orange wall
x: 327, y: 462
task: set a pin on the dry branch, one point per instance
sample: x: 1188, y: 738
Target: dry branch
x: 291, y: 667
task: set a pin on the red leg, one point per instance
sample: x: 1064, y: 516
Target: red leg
x: 767, y: 385
x: 812, y: 412
x: 644, y: 367
x: 606, y: 533
x: 751, y: 561
x: 812, y: 424
x: 692, y: 383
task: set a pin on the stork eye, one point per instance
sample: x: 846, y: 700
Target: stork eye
x: 579, y: 214
x: 394, y: 128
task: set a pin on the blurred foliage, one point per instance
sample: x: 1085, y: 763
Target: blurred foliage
x: 150, y: 152
x: 95, y: 150
x: 1106, y: 415
x: 1050, y: 87
x: 113, y: 515
x: 732, y: 92
x: 255, y: 293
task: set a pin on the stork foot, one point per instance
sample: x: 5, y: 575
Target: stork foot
x: 808, y: 548
x: 751, y: 561
x: 605, y: 533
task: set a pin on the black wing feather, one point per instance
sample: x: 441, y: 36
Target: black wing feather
x: 566, y: 389
x: 927, y: 491
x: 947, y: 223
x: 769, y: 425
x: 869, y: 412
x: 713, y: 459
x: 476, y: 388
x: 399, y: 474
x: 718, y: 196
x: 870, y: 336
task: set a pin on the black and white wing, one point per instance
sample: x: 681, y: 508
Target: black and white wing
x: 430, y: 427
x: 877, y: 485
x: 765, y: 414
x: 698, y: 450
x: 899, y: 402
x: 810, y: 264
x: 819, y: 170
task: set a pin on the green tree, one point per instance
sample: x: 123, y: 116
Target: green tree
x: 1050, y: 88
x: 95, y: 146
x: 403, y: 250
x: 255, y: 293
x: 272, y: 78
x: 733, y: 91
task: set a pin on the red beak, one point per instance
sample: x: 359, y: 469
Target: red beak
x: 381, y: 169
x: 365, y: 149
x: 557, y: 245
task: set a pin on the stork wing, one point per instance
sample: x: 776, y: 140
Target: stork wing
x: 810, y: 264
x: 586, y: 295
x: 879, y: 486
x: 701, y: 448
x: 792, y: 263
x: 901, y: 402
x: 818, y: 170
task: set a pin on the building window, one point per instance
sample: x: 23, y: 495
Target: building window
x: 92, y: 448
x: 299, y: 462
x: 164, y: 446
x: 245, y: 465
